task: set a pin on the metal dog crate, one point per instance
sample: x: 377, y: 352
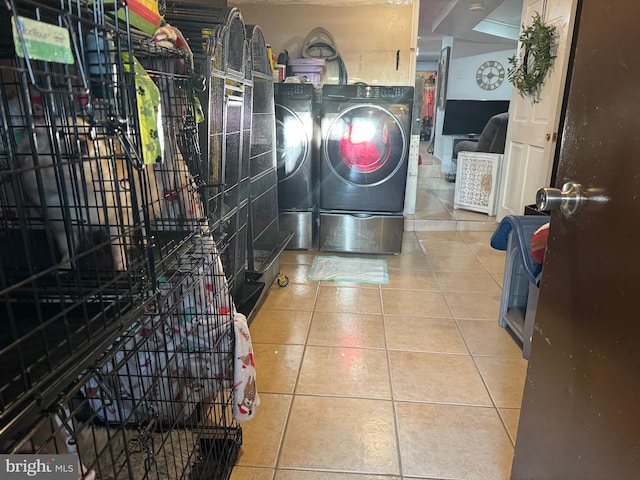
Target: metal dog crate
x: 105, y: 247
x: 158, y: 402
x: 221, y: 60
x: 265, y: 239
x: 239, y: 177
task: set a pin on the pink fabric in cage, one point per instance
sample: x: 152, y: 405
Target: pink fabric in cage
x: 244, y: 372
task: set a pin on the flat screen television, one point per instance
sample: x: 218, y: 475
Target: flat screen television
x: 468, y: 117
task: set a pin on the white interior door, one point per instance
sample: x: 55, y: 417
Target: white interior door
x: 532, y: 131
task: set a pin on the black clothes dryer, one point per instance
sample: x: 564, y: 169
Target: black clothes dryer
x: 296, y: 161
x: 363, y: 172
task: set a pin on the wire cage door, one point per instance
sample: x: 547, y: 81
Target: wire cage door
x: 265, y: 231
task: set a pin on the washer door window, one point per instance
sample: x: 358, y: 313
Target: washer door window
x: 365, y: 145
x: 292, y: 142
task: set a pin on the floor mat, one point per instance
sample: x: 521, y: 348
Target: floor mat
x: 342, y: 269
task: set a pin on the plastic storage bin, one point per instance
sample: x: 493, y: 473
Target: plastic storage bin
x: 521, y: 273
x: 309, y: 68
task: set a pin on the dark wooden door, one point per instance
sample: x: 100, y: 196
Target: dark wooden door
x: 580, y: 415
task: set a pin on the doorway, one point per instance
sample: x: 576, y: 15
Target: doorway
x: 435, y: 189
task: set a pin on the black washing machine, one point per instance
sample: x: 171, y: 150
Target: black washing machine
x: 363, y: 171
x: 296, y: 145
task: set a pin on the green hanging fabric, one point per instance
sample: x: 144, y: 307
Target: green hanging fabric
x: 149, y: 113
x: 198, y: 109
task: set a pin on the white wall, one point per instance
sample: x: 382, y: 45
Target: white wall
x: 368, y: 37
x: 465, y: 59
x: 427, y: 66
x: 464, y: 65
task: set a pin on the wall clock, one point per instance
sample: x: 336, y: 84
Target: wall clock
x: 490, y: 75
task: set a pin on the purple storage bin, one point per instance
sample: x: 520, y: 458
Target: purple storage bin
x: 309, y: 68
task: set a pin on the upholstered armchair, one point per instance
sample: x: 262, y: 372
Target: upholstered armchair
x: 491, y: 140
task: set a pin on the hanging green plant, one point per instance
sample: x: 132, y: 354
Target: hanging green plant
x: 527, y: 70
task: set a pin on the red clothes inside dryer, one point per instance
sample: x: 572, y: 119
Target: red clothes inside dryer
x: 362, y: 154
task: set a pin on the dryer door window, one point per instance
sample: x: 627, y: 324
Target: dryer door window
x: 365, y: 145
x: 292, y: 142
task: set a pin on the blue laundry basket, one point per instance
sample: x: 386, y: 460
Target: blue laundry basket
x: 521, y: 274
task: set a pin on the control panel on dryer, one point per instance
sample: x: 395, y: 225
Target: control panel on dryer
x: 292, y: 89
x: 368, y: 91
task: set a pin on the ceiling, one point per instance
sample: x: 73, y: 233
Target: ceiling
x: 491, y: 21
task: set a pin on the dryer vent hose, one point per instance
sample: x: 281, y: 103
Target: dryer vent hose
x: 320, y: 44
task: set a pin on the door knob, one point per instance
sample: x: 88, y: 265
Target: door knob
x: 567, y: 199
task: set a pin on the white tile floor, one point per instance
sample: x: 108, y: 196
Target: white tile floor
x: 434, y: 202
x: 412, y: 379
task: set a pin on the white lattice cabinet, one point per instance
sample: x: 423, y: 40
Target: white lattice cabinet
x: 477, y: 182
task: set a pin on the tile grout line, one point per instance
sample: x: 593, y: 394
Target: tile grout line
x: 493, y: 405
x: 306, y: 344
x: 473, y: 357
x: 295, y: 385
x: 396, y: 424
